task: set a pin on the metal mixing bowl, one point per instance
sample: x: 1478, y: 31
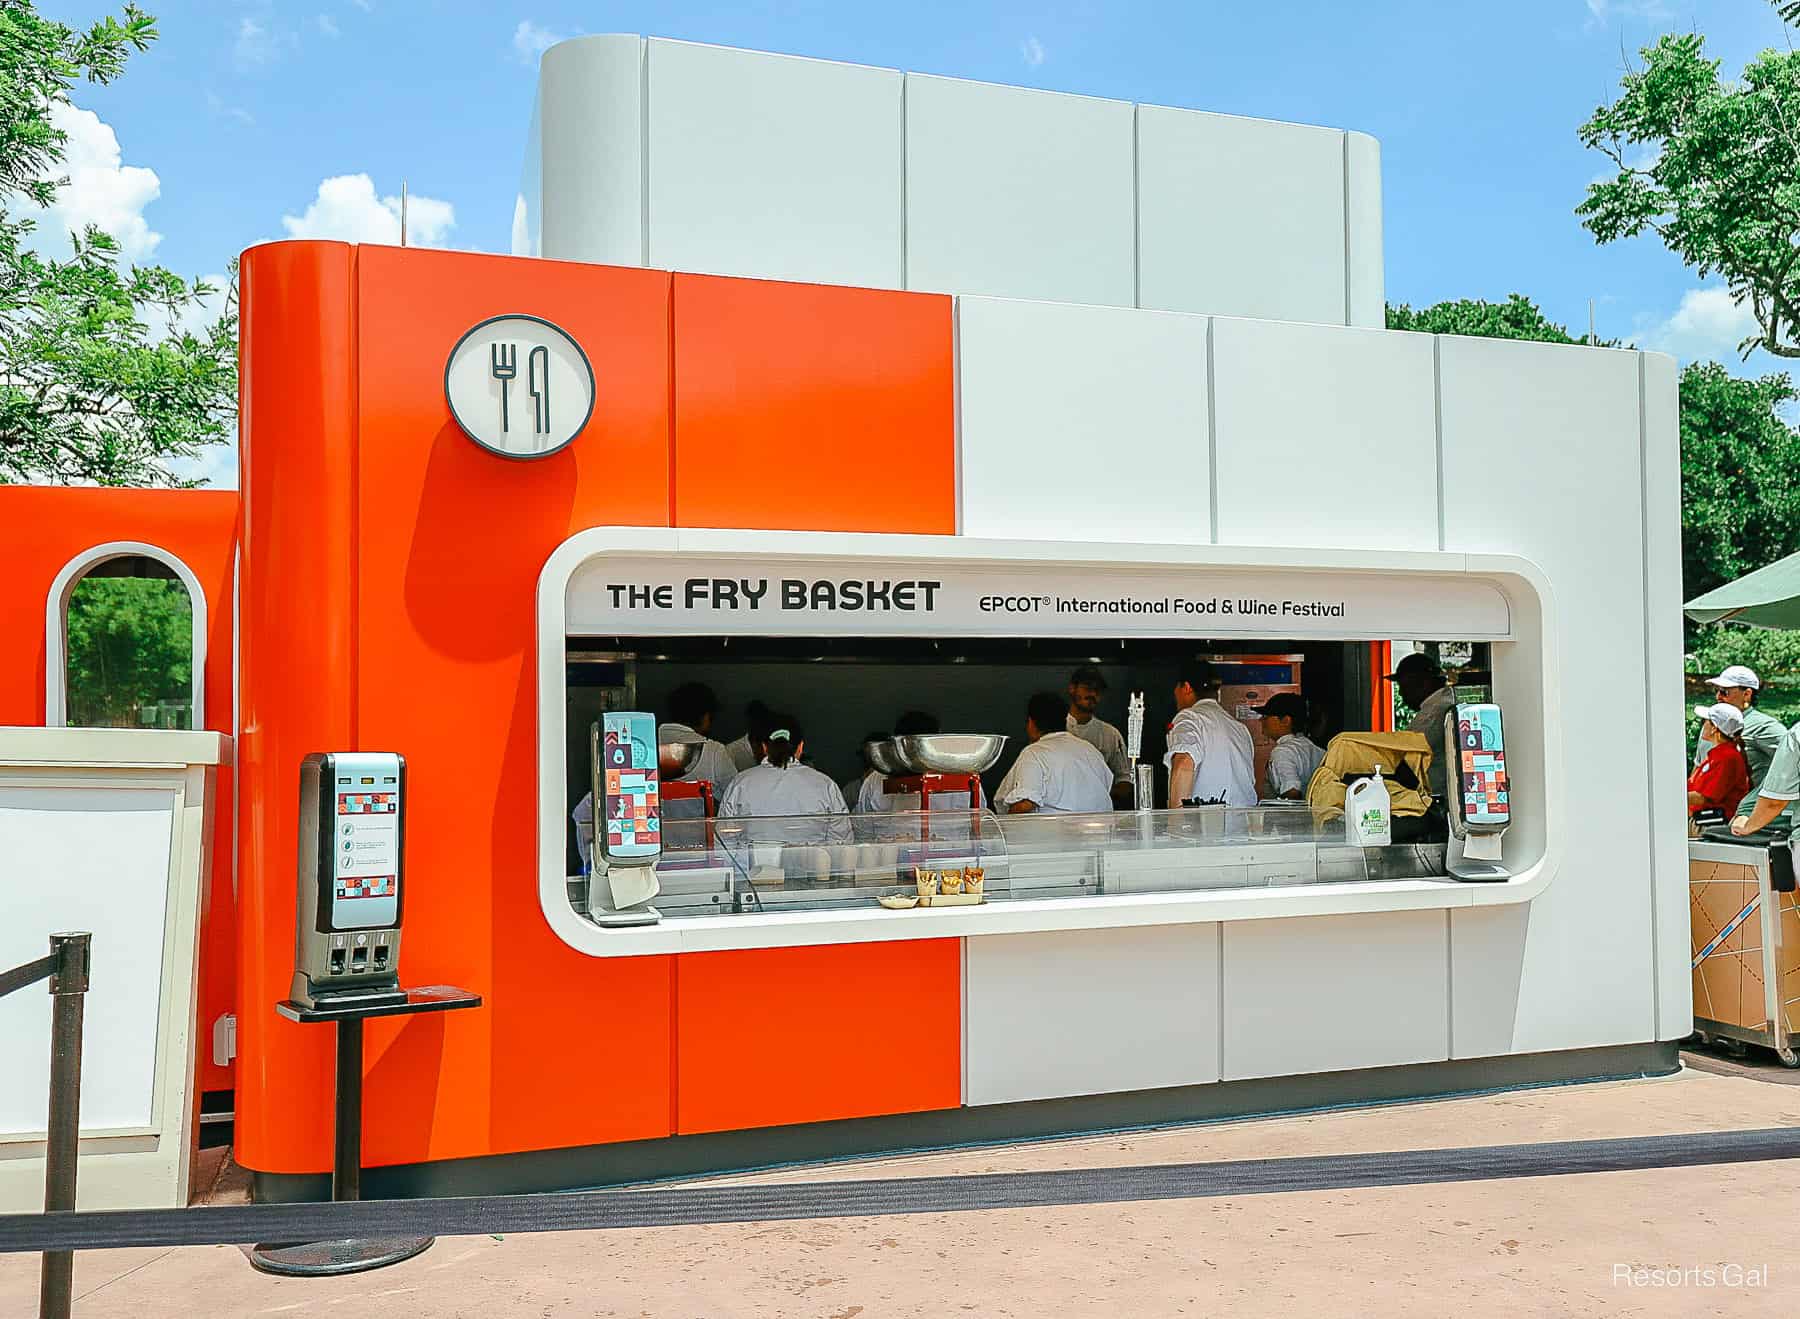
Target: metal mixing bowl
x: 676, y: 753
x: 882, y: 756
x: 949, y: 753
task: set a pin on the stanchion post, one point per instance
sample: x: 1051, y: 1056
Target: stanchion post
x: 68, y: 990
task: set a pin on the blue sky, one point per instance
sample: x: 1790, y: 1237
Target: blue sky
x: 229, y: 130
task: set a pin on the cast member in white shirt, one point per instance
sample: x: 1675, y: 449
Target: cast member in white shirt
x: 1057, y: 771
x: 1211, y: 757
x: 781, y: 785
x: 1085, y: 687
x: 1295, y: 757
x: 742, y: 750
x: 1423, y: 686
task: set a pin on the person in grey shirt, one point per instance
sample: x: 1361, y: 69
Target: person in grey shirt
x: 1763, y: 733
x: 1085, y: 688
x: 1423, y: 686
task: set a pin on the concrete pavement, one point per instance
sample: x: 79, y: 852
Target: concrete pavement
x: 1537, y: 1246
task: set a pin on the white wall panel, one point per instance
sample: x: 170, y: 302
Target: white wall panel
x: 1665, y: 707
x: 1364, y: 269
x: 1090, y: 1012
x: 95, y: 859
x: 1240, y: 217
x: 1082, y: 423
x: 1326, y: 436
x: 591, y: 127
x: 1541, y: 459
x: 1018, y: 193
x: 773, y: 166
x: 1327, y: 993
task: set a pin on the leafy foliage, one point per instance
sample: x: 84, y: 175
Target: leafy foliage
x: 130, y: 647
x: 1713, y: 169
x: 1516, y: 318
x: 100, y: 382
x: 1740, y: 502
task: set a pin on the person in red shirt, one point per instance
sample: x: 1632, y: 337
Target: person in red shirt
x: 1723, y: 777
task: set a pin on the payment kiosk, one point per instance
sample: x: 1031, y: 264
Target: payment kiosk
x: 1480, y: 793
x: 351, y: 868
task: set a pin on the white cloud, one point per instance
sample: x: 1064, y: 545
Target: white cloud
x: 216, y: 465
x: 328, y: 25
x: 102, y: 190
x: 218, y: 105
x: 1708, y: 325
x: 346, y: 208
x: 256, y: 46
x: 1031, y: 50
x: 530, y: 41
x: 363, y: 5
x: 1601, y: 11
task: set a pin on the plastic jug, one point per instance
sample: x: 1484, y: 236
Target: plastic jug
x: 1368, y: 813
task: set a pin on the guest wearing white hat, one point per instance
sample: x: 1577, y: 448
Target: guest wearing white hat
x: 1723, y: 776
x: 1737, y: 686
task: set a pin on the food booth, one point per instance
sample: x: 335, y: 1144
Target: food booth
x: 861, y: 500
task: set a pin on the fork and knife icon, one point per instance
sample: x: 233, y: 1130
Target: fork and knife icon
x: 503, y: 365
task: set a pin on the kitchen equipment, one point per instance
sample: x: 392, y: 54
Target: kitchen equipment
x: 949, y: 753
x: 676, y: 752
x: 882, y: 756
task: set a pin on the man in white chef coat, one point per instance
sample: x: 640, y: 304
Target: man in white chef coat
x: 1085, y: 687
x: 1058, y: 771
x: 1211, y: 756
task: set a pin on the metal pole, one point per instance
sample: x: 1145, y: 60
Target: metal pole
x: 68, y: 987
x: 346, y: 1167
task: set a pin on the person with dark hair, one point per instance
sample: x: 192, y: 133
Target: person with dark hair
x: 780, y: 784
x: 756, y: 723
x: 691, y: 708
x: 1057, y: 771
x: 1211, y: 757
x: 1423, y: 687
x: 1085, y: 686
x: 1295, y: 757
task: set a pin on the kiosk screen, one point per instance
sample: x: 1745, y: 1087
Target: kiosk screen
x: 366, y: 889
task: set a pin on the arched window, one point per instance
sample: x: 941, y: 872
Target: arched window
x: 126, y: 641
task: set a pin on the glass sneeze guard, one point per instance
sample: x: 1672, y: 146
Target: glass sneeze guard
x: 843, y: 862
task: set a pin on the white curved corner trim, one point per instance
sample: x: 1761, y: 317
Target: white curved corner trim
x: 1524, y: 586
x: 56, y: 613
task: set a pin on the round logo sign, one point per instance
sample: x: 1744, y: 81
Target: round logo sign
x: 519, y: 386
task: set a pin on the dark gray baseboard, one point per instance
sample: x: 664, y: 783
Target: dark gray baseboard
x: 639, y: 1161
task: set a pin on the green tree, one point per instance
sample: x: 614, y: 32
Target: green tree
x: 1713, y: 169
x: 98, y: 382
x: 1516, y: 318
x: 130, y: 646
x: 1740, y: 503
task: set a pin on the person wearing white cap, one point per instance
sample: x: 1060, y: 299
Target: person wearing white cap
x: 1737, y: 686
x: 1723, y: 777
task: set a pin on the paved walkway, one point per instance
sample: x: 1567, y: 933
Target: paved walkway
x: 1537, y: 1246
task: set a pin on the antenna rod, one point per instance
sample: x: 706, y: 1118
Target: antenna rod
x: 403, y: 222
x: 1593, y: 338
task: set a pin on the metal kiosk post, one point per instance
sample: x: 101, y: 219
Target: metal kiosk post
x: 320, y: 1259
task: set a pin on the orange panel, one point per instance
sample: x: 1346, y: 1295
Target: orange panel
x: 453, y: 538
x: 806, y: 407
x: 779, y: 1035
x: 297, y: 656
x: 41, y: 529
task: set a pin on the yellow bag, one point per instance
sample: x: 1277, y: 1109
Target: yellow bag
x: 1360, y: 753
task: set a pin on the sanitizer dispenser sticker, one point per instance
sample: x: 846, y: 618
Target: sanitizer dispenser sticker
x: 1480, y: 791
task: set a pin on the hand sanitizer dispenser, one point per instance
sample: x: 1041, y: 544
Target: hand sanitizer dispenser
x: 1480, y: 792
x: 627, y: 820
x: 351, y: 872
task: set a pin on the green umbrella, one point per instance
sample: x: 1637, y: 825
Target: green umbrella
x: 1768, y: 597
